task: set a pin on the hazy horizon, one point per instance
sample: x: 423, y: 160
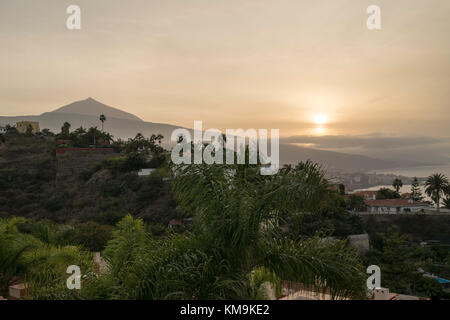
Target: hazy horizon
x: 309, y: 69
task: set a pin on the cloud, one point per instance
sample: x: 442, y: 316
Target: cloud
x: 416, y: 148
x: 372, y: 141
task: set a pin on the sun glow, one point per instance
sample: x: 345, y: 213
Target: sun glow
x: 320, y: 119
x: 319, y: 130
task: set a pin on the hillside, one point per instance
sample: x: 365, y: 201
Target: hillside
x: 29, y: 187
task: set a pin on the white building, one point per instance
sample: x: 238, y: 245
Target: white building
x: 395, y: 206
x: 145, y: 172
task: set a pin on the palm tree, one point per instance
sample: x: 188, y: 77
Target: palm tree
x: 397, y: 184
x: 65, y: 130
x: 40, y: 265
x: 102, y: 119
x: 13, y: 246
x: 236, y: 241
x: 435, y: 187
x: 447, y: 197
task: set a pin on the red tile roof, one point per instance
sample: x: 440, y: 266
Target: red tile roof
x: 175, y: 222
x: 370, y: 192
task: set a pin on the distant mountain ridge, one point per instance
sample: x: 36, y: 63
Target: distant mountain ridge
x: 93, y: 107
x: 125, y: 125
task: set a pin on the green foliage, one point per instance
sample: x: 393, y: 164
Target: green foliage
x: 447, y: 202
x: 436, y: 186
x: 385, y: 193
x: 237, y: 212
x: 355, y: 202
x: 235, y: 246
x: 42, y: 266
x: 145, y: 146
x: 150, y: 189
x: 259, y: 278
x: 46, y: 273
x: 397, y: 184
x: 400, y: 261
x: 13, y: 246
x: 127, y: 163
x: 330, y: 218
x: 91, y: 236
x: 127, y: 244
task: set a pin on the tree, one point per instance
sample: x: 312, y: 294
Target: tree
x: 399, y: 260
x: 145, y: 146
x: 447, y: 197
x: 40, y: 265
x: 355, y: 202
x: 416, y: 193
x: 236, y: 233
x: 435, y: 187
x: 65, y: 130
x: 341, y: 189
x: 46, y: 132
x: 102, y: 119
x: 385, y: 193
x: 13, y: 246
x: 29, y: 131
x: 397, y: 184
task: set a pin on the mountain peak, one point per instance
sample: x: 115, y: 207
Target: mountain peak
x: 93, y: 107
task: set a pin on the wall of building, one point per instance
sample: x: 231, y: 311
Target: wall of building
x: 22, y: 126
x: 360, y: 241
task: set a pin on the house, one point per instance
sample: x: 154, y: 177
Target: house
x: 22, y: 126
x: 443, y: 282
x: 406, y: 195
x: 384, y: 294
x: 393, y: 206
x: 360, y: 242
x: 174, y: 222
x: 367, y: 194
x: 17, y: 291
x: 145, y: 172
x: 299, y: 291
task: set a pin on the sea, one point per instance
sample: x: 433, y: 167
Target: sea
x: 419, y: 172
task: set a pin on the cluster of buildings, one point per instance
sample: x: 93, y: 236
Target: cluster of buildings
x: 391, y: 206
x: 362, y: 180
x: 297, y: 291
x: 22, y: 127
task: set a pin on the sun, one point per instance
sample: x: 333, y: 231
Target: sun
x: 320, y: 118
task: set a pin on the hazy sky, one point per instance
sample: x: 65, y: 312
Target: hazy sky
x: 236, y: 63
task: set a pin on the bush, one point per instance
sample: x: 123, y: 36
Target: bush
x: 92, y: 236
x: 111, y: 217
x: 150, y: 189
x: 131, y: 162
x: 385, y: 193
x: 55, y: 203
x: 112, y: 189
